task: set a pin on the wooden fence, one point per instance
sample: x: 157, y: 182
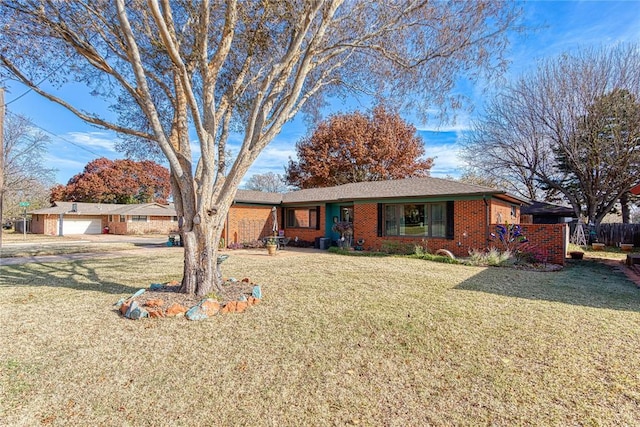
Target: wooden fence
x: 613, y: 234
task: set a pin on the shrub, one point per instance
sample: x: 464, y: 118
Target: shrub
x: 397, y: 248
x: 492, y: 257
x: 436, y: 258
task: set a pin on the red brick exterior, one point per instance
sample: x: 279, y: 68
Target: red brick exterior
x: 247, y: 223
x: 470, y: 230
x: 551, y: 239
x: 309, y: 234
x: 44, y: 224
x: 154, y: 225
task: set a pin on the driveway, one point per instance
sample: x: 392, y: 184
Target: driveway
x: 144, y: 244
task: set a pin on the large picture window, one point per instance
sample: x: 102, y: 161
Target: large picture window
x: 139, y: 218
x: 415, y: 220
x: 301, y: 218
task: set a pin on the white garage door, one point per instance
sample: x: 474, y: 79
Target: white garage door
x: 81, y: 226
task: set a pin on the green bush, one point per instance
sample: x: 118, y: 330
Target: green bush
x: 492, y: 257
x: 393, y: 247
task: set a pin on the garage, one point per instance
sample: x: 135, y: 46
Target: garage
x: 81, y: 225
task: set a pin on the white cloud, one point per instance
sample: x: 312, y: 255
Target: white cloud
x: 100, y: 140
x: 446, y: 161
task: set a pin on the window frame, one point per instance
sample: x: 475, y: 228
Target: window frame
x: 313, y: 217
x: 421, y: 210
x: 138, y: 218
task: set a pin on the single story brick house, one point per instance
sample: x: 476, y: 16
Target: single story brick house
x: 446, y: 214
x: 64, y: 218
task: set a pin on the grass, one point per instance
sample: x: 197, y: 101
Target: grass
x: 336, y: 341
x: 28, y: 245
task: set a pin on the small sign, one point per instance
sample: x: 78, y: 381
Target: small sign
x: 24, y: 204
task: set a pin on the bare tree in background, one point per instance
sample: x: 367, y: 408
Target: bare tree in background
x: 171, y: 67
x: 26, y: 177
x: 569, y: 130
x: 269, y: 182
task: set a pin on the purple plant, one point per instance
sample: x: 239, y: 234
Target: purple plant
x: 509, y: 237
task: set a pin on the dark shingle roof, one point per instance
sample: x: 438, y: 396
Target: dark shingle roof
x: 150, y: 209
x: 410, y: 187
x: 547, y: 209
x: 251, y: 196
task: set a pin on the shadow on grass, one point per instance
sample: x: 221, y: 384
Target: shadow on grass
x: 586, y: 283
x: 82, y: 275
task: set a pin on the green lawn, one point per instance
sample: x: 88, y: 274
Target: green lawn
x: 337, y: 341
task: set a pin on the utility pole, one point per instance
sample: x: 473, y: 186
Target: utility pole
x: 2, y: 108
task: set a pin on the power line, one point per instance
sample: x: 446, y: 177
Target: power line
x: 57, y: 136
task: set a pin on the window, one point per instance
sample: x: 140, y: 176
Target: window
x: 415, y: 220
x: 174, y: 219
x: 110, y: 218
x: 123, y: 218
x: 139, y: 218
x: 301, y: 218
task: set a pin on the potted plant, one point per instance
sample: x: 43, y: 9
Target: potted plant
x: 626, y: 247
x: 272, y: 245
x: 576, y: 254
x: 345, y: 228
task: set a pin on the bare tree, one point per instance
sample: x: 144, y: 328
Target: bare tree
x: 270, y: 182
x: 170, y: 67
x: 26, y: 177
x: 569, y: 130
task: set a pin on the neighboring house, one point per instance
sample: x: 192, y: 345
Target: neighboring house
x: 546, y: 213
x: 91, y: 218
x: 443, y: 213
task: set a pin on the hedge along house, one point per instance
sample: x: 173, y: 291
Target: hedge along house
x: 445, y: 214
x: 64, y: 218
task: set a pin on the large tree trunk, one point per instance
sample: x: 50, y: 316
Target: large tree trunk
x: 200, y: 276
x: 626, y: 209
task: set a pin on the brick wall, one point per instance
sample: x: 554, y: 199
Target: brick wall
x: 552, y: 239
x: 44, y: 224
x: 309, y: 234
x: 248, y: 223
x: 469, y: 229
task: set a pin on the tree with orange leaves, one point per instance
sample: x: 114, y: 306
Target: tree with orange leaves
x: 357, y: 147
x: 116, y: 181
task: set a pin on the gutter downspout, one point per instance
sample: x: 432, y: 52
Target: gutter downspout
x: 487, y: 217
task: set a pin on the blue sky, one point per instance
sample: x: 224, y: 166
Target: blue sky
x: 564, y: 26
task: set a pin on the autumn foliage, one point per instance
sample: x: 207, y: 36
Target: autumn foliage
x: 116, y: 181
x: 357, y: 147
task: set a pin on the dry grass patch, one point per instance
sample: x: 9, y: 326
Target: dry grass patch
x: 336, y: 341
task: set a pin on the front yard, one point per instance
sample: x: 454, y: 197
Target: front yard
x: 336, y: 341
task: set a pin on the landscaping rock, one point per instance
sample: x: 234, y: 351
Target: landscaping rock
x: 154, y: 303
x: 203, y: 310
x: 136, y: 312
x: 241, y: 306
x: 229, y: 307
x: 137, y: 294
x: 156, y: 313
x: 257, y: 292
x: 124, y: 307
x: 252, y: 301
x: 211, y: 306
x: 176, y: 310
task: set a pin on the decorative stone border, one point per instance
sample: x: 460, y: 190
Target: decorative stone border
x: 208, y: 307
